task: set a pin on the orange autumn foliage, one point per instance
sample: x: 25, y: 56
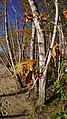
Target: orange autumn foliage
x: 55, y: 50
x: 28, y: 79
x: 28, y: 16
x: 65, y: 13
x: 22, y: 46
x: 23, y: 68
x: 42, y: 18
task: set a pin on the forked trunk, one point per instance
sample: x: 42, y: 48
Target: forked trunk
x: 53, y: 40
x: 41, y: 46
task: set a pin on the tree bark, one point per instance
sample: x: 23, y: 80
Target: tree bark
x: 10, y: 50
x: 53, y: 39
x: 7, y: 37
x: 18, y: 42
x: 32, y: 52
x: 41, y: 46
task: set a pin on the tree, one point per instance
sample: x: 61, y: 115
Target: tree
x: 41, y: 42
x: 34, y: 47
x: 9, y: 49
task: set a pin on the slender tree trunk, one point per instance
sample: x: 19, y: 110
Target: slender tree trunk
x: 53, y: 39
x: 12, y: 41
x: 61, y: 37
x: 18, y: 42
x: 61, y: 47
x: 10, y: 50
x: 7, y: 37
x: 6, y: 67
x: 5, y: 54
x: 32, y: 52
x: 41, y: 47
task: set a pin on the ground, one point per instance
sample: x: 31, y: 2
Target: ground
x: 15, y: 104
x: 12, y: 105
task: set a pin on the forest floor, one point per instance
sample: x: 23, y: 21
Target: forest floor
x: 14, y: 104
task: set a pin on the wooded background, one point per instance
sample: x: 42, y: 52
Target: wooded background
x: 33, y: 43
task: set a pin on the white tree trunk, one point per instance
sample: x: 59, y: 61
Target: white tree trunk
x: 5, y: 54
x: 19, y: 50
x: 7, y: 37
x: 53, y: 39
x: 6, y: 67
x: 61, y: 47
x: 41, y: 47
x: 32, y: 52
x: 61, y: 37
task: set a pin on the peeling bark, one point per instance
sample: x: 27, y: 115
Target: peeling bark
x: 32, y: 52
x: 41, y: 46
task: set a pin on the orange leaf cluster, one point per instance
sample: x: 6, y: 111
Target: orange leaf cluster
x: 28, y: 79
x: 42, y: 18
x: 65, y: 13
x: 55, y: 50
x: 29, y: 17
x: 22, y: 46
x: 23, y: 69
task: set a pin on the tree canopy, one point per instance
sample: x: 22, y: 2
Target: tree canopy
x: 33, y: 43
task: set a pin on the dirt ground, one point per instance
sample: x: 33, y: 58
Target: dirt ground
x: 15, y: 103
x: 12, y: 104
